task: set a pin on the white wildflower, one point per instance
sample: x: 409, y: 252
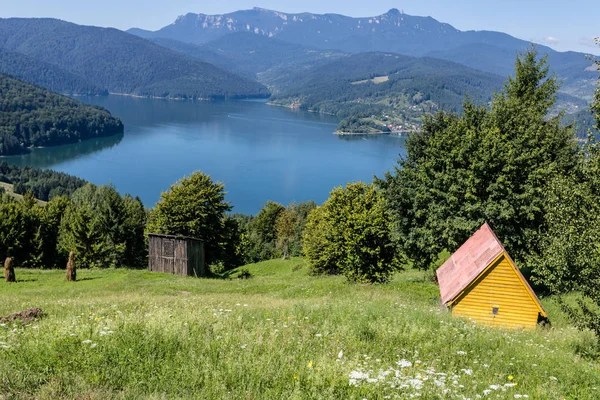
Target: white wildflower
x: 341, y: 354
x: 88, y: 341
x: 404, y: 363
x: 318, y: 335
x: 467, y: 371
x: 461, y: 353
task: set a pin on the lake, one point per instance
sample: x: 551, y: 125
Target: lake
x: 258, y: 151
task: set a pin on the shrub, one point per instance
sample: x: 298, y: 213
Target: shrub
x: 245, y: 274
x: 351, y: 235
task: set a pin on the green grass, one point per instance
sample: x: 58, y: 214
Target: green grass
x: 8, y: 188
x: 281, y: 334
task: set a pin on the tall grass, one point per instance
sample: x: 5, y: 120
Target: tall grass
x: 279, y: 335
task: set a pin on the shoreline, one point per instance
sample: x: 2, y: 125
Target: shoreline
x: 137, y: 96
x: 290, y: 107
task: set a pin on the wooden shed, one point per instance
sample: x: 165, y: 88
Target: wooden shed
x: 179, y: 255
x: 481, y: 282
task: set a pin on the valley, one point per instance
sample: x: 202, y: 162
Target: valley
x: 299, y: 205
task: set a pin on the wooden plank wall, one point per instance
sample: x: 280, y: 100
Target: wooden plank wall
x: 196, y: 265
x: 176, y: 256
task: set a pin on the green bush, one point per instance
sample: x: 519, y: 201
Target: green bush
x: 351, y: 235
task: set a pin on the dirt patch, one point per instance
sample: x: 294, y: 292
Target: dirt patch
x: 24, y: 316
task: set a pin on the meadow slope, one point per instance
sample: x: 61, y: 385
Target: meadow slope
x: 281, y: 334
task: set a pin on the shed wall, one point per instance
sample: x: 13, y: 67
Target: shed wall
x: 500, y: 287
x: 174, y: 255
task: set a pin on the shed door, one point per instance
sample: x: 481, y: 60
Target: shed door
x: 168, y: 254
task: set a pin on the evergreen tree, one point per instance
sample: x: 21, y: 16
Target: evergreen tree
x: 285, y: 231
x: 136, y: 248
x: 486, y: 165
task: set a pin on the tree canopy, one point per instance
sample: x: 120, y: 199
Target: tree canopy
x: 484, y: 165
x: 350, y: 234
x: 195, y: 206
x: 32, y: 116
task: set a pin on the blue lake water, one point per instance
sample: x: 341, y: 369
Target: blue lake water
x: 258, y: 151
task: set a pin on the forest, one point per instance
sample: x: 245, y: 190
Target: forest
x: 45, y: 74
x: 377, y: 83
x: 33, y: 116
x: 44, y: 184
x: 119, y: 62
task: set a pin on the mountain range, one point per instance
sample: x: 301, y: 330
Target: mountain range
x: 72, y: 58
x: 388, y: 69
x: 393, y: 31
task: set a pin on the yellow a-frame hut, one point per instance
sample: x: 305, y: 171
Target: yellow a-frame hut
x: 480, y: 281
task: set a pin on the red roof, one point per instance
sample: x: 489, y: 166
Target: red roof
x: 468, y: 262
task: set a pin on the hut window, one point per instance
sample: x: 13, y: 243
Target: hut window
x: 495, y: 310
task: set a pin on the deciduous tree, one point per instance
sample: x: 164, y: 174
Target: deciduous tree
x: 351, y: 234
x: 195, y: 206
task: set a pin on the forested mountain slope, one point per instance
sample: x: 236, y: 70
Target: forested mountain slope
x: 375, y: 83
x: 33, y: 116
x: 44, y: 74
x: 120, y: 62
x: 393, y: 31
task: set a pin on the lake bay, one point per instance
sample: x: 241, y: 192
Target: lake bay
x: 258, y: 151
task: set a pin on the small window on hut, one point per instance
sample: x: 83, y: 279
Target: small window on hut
x: 495, y: 310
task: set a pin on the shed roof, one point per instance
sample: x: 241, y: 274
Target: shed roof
x: 178, y: 237
x: 468, y: 262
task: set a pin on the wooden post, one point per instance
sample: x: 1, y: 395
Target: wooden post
x: 71, y: 270
x: 9, y: 270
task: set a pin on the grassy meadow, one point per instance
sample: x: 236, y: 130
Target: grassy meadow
x: 281, y: 334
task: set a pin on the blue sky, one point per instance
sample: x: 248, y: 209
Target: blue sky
x: 561, y: 24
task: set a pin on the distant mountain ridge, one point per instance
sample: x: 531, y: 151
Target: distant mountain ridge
x: 393, y: 31
x: 116, y: 61
x: 252, y: 55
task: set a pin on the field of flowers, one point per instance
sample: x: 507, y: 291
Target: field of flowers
x: 281, y: 334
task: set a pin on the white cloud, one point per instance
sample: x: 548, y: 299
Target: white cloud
x: 550, y: 40
x: 588, y: 41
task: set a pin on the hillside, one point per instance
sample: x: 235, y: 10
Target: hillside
x: 44, y: 74
x: 280, y: 334
x: 250, y: 54
x: 33, y: 116
x: 584, y: 123
x: 43, y: 183
x: 380, y: 84
x: 120, y: 62
x: 393, y: 31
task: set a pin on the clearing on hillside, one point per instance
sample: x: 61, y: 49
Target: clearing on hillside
x: 281, y: 334
x: 376, y: 80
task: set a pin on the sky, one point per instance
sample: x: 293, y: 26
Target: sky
x: 561, y: 24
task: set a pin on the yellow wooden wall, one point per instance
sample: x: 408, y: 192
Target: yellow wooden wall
x: 500, y: 286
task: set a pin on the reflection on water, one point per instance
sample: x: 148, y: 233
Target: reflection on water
x: 258, y: 151
x: 48, y: 156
